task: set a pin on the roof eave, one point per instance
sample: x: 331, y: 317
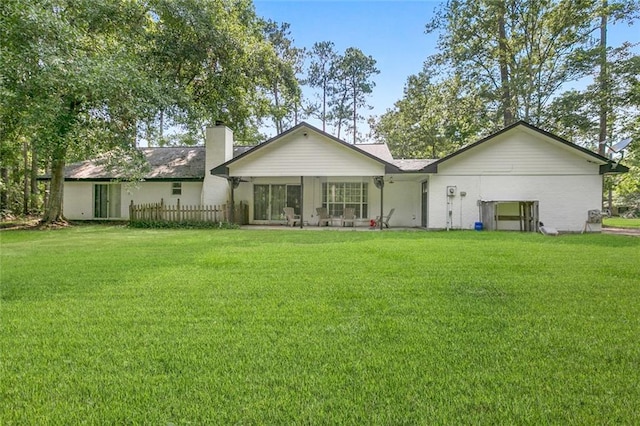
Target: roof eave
x: 433, y: 168
x: 223, y: 169
x: 220, y: 170
x: 111, y: 179
x: 613, y: 168
x: 391, y: 169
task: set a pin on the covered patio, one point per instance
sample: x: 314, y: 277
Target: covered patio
x: 327, y: 202
x: 322, y: 178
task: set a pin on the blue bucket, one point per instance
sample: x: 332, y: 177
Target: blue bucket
x: 478, y: 226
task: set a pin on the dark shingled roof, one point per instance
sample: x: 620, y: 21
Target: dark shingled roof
x: 179, y: 163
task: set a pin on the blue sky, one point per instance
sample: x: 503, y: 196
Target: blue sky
x: 392, y: 32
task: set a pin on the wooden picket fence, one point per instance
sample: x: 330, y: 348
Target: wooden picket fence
x: 187, y: 213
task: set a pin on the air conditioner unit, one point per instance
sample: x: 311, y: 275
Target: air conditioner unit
x: 451, y: 191
x: 594, y: 216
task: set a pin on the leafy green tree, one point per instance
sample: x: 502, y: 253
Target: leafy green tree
x: 81, y: 76
x: 577, y: 114
x: 213, y: 63
x: 284, y: 90
x: 607, y: 109
x: 615, y: 11
x: 517, y: 53
x: 432, y: 119
x: 68, y: 74
x: 510, y: 60
x: 628, y: 185
x: 627, y: 189
x: 354, y: 72
x: 322, y: 74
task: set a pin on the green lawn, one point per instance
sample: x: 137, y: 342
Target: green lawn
x: 620, y: 222
x: 108, y: 325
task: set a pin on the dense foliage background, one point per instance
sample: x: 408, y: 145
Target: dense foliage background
x: 78, y: 78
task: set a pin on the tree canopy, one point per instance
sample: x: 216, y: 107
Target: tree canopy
x: 543, y: 61
x: 81, y: 77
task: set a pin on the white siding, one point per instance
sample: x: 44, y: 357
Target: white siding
x: 153, y: 192
x: 78, y: 200
x: 78, y: 196
x: 563, y: 200
x: 216, y: 190
x: 405, y: 197
x: 311, y: 155
x: 518, y: 166
x: 518, y: 152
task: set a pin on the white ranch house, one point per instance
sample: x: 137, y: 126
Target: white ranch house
x: 510, y: 180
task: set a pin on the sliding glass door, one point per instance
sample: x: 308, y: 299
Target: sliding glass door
x: 270, y: 200
x: 106, y: 201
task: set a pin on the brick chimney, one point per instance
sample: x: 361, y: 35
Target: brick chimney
x: 218, y: 150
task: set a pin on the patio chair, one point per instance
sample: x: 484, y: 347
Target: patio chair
x: 548, y: 230
x: 323, y: 216
x: 349, y: 216
x: 385, y: 219
x: 292, y: 218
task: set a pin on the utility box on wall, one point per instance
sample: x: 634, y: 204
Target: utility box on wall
x: 451, y: 191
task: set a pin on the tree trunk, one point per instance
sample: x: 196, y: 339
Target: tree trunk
x: 53, y: 212
x: 47, y: 187
x: 25, y: 178
x: 341, y: 109
x: 276, y: 114
x: 603, y: 81
x: 504, y: 69
x: 355, y: 110
x: 33, y: 205
x: 324, y: 106
x: 4, y: 193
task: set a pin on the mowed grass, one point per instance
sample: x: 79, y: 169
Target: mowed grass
x: 620, y: 222
x: 105, y: 325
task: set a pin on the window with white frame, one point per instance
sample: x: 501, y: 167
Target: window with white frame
x: 176, y: 188
x: 336, y: 196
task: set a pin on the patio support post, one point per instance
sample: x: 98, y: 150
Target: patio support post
x: 381, y: 202
x: 301, y: 201
x: 233, y: 182
x: 378, y: 181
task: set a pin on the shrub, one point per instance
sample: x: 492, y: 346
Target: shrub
x: 188, y: 224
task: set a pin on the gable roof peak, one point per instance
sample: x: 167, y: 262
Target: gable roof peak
x: 606, y: 167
